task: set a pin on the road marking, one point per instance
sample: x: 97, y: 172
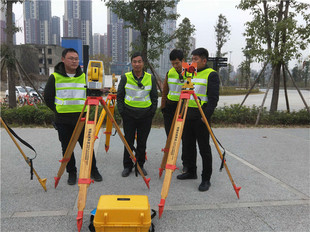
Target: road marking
x: 270, y: 177
x: 304, y: 202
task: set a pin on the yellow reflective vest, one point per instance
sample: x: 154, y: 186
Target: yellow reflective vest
x: 200, y: 87
x: 136, y: 96
x: 70, y: 93
x: 175, y: 85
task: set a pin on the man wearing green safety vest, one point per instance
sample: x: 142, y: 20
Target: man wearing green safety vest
x: 137, y: 103
x: 65, y: 94
x: 206, y: 87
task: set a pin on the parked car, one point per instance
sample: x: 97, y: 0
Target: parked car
x: 21, y: 92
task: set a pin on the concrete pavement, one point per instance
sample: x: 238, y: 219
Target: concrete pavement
x: 270, y: 164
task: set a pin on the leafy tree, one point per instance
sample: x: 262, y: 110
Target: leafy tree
x: 183, y: 34
x: 222, y: 33
x: 147, y: 17
x: 8, y: 53
x: 275, y: 35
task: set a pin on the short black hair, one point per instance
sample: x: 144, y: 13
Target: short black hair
x: 201, y: 52
x: 136, y: 54
x: 176, y: 54
x: 65, y: 51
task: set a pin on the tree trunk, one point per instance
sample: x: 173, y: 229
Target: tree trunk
x: 276, y: 88
x: 10, y: 56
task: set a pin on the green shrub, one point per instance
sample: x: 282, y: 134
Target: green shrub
x: 227, y: 115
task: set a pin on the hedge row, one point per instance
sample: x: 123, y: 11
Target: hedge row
x: 227, y: 115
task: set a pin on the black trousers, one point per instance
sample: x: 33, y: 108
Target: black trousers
x: 65, y: 132
x: 196, y: 130
x: 132, y: 126
x: 168, y: 114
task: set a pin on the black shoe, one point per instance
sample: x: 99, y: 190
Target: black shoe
x: 72, y: 178
x: 144, y: 171
x: 187, y: 175
x: 126, y: 172
x: 95, y: 175
x: 204, y: 186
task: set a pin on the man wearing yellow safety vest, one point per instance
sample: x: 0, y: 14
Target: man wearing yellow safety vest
x: 137, y: 103
x: 206, y: 87
x: 172, y: 89
x: 65, y: 94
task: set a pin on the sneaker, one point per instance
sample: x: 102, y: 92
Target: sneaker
x: 204, y: 186
x: 95, y: 175
x: 72, y: 178
x: 187, y: 175
x: 126, y: 172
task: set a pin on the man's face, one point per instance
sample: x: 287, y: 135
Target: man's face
x: 71, y: 61
x: 177, y: 64
x: 201, y: 62
x: 137, y: 64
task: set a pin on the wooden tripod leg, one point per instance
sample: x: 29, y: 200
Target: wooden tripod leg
x: 168, y: 141
x: 125, y: 143
x: 173, y: 153
x: 86, y: 164
x: 237, y: 189
x: 41, y: 181
x: 100, y: 121
x: 74, y: 138
x: 109, y: 124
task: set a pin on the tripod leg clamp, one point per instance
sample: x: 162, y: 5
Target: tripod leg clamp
x: 172, y: 167
x: 85, y: 181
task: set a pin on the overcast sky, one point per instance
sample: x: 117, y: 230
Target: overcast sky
x: 202, y: 13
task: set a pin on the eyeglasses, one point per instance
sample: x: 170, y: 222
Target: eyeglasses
x: 73, y: 59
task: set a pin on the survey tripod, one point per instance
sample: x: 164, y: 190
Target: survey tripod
x: 28, y: 161
x: 90, y: 135
x: 174, y: 138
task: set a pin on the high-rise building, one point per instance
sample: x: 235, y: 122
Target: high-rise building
x: 119, y: 41
x: 37, y: 21
x: 100, y: 44
x: 77, y: 21
x: 55, y: 37
x: 169, y: 28
x: 3, y: 24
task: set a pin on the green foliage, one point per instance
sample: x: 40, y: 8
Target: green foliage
x: 222, y: 33
x: 274, y: 31
x: 183, y: 34
x: 27, y: 115
x: 147, y: 17
x: 223, y: 116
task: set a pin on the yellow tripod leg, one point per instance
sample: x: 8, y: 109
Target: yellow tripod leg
x: 86, y: 161
x: 109, y: 124
x: 125, y: 143
x: 237, y: 189
x: 74, y: 138
x: 41, y: 181
x: 100, y: 121
x: 168, y: 141
x: 173, y: 151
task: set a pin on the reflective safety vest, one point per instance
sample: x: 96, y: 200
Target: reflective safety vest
x: 136, y: 96
x: 200, y: 87
x: 70, y: 93
x: 175, y: 85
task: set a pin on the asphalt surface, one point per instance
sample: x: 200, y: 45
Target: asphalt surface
x: 271, y: 165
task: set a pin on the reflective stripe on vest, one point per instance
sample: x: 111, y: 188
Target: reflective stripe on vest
x: 175, y: 85
x: 70, y: 93
x: 135, y: 96
x: 200, y: 87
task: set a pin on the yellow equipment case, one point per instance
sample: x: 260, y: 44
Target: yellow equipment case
x: 123, y: 213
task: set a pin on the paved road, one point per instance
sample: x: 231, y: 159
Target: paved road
x: 271, y: 165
